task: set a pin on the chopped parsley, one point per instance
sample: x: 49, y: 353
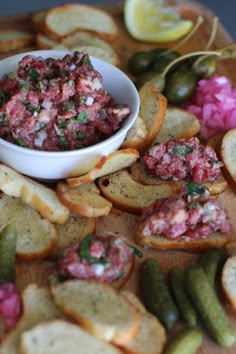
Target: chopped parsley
x: 81, y: 135
x: 84, y: 252
x: 181, y: 150
x: 195, y: 189
x: 81, y: 117
x: 20, y: 142
x: 33, y: 74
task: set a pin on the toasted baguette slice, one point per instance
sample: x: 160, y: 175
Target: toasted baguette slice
x: 152, y: 110
x: 62, y: 337
x: 228, y: 156
x: 60, y: 21
x: 228, y: 281
x: 83, y: 200
x: 178, y: 124
x: 37, y: 20
x: 87, y: 40
x: 136, y: 135
x: 74, y: 230
x: 113, y: 162
x: 11, y: 39
x: 141, y: 174
x: 151, y: 337
x: 33, y: 193
x: 99, y: 309
x: 38, y: 306
x: 36, y: 236
x: 128, y: 195
x: 216, y: 239
x: 44, y: 42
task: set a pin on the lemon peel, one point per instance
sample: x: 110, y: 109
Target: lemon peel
x: 151, y: 22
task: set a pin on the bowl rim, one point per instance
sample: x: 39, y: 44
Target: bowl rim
x: 125, y: 126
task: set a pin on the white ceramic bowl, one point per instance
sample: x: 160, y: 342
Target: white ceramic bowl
x: 58, y: 165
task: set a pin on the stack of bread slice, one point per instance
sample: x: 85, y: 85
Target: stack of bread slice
x: 83, y: 316
x: 77, y: 27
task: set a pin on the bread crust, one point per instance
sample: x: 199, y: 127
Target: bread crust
x: 19, y: 39
x: 63, y: 10
x: 216, y: 239
x: 113, y: 162
x: 141, y: 174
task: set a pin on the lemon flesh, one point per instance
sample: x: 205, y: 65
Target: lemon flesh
x: 148, y: 20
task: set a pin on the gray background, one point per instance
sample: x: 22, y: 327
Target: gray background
x: 225, y: 10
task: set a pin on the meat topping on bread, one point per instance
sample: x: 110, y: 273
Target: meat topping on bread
x: 101, y: 257
x: 185, y: 215
x: 183, y: 159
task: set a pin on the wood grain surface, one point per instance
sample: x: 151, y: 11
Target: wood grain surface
x: 123, y: 222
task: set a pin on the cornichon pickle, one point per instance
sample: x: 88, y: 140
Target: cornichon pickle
x: 207, y: 304
x: 212, y: 262
x: 187, y: 341
x: 7, y: 254
x: 186, y: 309
x: 155, y: 293
x: 180, y: 85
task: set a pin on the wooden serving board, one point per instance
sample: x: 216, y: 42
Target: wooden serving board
x: 120, y: 221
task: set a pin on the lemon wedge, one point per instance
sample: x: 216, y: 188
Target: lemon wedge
x: 150, y: 21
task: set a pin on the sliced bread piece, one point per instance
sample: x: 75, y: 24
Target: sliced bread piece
x: 141, y: 174
x: 151, y: 337
x: 96, y: 52
x: 228, y: 281
x: 83, y: 199
x: 152, y: 110
x: 228, y: 156
x: 74, y: 230
x: 11, y: 39
x: 36, y: 236
x: 62, y: 337
x: 38, y: 19
x: 35, y: 194
x: 86, y: 39
x: 127, y: 194
x: 136, y: 135
x: 178, y: 124
x: 38, y: 306
x: 62, y: 20
x: 45, y: 42
x: 216, y: 239
x: 113, y: 162
x: 99, y: 309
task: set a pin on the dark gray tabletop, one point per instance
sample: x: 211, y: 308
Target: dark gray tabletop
x: 225, y: 10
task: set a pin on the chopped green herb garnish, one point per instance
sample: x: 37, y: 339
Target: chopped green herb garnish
x: 68, y: 106
x: 81, y: 117
x: 63, y: 139
x: 81, y: 135
x: 33, y: 74
x: 82, y: 99
x: 193, y: 205
x: 24, y: 88
x: 62, y: 125
x: 12, y: 75
x: 181, y: 150
x: 3, y: 97
x: 52, y: 83
x: 87, y: 61
x: 136, y: 251
x: 20, y: 142
x: 84, y: 252
x: 42, y: 125
x: 195, y: 189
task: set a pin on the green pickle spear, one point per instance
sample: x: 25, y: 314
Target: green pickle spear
x: 7, y: 254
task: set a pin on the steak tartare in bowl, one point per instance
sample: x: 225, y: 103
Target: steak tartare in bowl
x: 61, y: 111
